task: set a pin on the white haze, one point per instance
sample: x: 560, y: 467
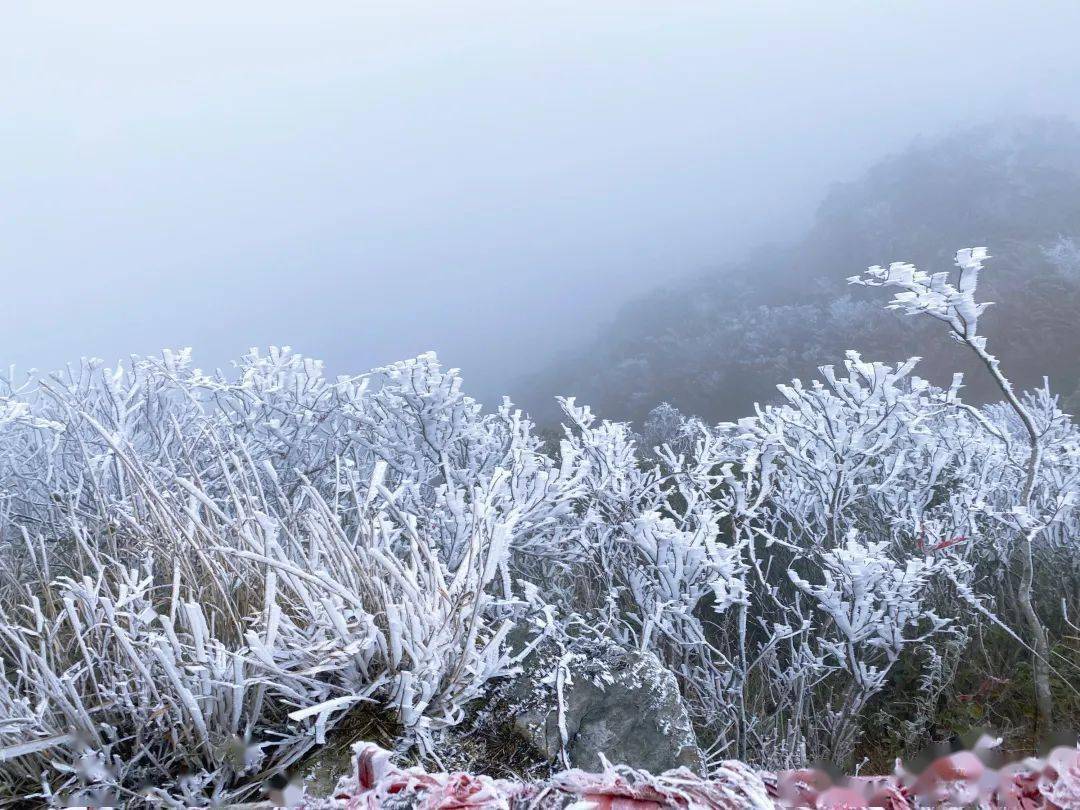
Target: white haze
x: 368, y: 181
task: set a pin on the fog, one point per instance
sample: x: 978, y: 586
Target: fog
x: 364, y: 182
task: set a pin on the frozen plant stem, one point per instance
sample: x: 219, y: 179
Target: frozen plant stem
x: 956, y: 306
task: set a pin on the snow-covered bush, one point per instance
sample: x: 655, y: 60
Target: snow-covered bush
x: 1023, y: 430
x: 201, y: 575
x: 193, y: 566
x: 734, y: 554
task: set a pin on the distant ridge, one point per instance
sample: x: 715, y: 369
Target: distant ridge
x: 716, y: 343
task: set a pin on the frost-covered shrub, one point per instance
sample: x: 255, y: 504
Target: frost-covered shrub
x: 1021, y: 431
x: 201, y: 575
x: 826, y: 510
x: 735, y: 554
x: 244, y: 562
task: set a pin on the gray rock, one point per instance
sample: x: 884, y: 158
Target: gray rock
x: 621, y: 703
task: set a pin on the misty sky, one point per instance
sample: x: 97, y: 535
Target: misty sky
x: 367, y: 181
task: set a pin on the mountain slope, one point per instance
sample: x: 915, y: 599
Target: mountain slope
x: 717, y: 343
